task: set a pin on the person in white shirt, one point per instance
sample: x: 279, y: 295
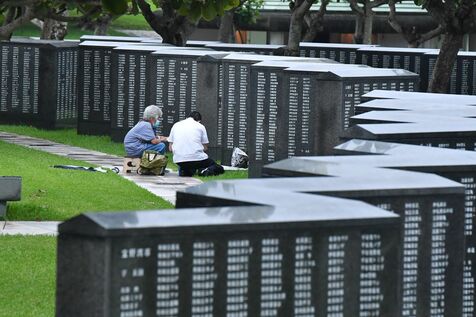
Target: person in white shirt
x: 188, y: 141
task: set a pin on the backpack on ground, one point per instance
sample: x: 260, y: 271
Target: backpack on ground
x: 152, y: 163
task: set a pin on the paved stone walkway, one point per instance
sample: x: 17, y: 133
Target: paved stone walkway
x: 49, y: 228
x: 162, y: 186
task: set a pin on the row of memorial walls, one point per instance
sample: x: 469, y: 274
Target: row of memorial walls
x: 302, y: 109
x: 432, y: 212
x: 436, y: 120
x: 453, y: 164
x: 441, y: 120
x: 334, y: 257
x: 418, y: 60
x: 38, y: 83
x: 372, y: 294
x: 224, y: 98
x: 122, y: 75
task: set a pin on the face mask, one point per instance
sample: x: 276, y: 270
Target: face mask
x: 156, y: 124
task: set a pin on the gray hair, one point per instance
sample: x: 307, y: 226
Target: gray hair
x: 152, y: 111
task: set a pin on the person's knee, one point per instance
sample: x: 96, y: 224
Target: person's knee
x: 161, y: 148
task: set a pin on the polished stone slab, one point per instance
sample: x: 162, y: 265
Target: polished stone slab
x: 343, y: 53
x: 298, y: 108
x: 234, y: 260
x: 439, y: 98
x: 457, y: 165
x: 39, y: 82
x: 420, y: 199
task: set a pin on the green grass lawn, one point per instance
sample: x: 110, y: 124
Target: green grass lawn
x: 56, y: 194
x: 70, y: 136
x: 27, y: 276
x: 74, y: 33
x: 98, y: 143
x: 131, y: 22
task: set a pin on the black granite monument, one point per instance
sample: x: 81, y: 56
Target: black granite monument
x: 303, y: 109
x: 38, y: 83
x: 425, y: 203
x: 263, y: 49
x: 173, y: 84
x: 334, y: 256
x: 342, y: 53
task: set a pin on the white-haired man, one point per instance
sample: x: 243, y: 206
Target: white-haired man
x: 143, y: 136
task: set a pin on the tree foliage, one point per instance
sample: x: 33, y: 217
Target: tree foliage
x: 248, y: 11
x: 16, y: 13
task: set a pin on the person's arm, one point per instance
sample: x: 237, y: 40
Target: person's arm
x: 170, y: 138
x: 205, y: 141
x: 147, y: 135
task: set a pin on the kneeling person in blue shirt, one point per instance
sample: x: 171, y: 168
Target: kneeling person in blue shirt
x: 143, y: 137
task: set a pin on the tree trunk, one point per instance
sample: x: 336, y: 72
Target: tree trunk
x: 54, y: 30
x: 172, y: 27
x: 312, y: 30
x: 226, y: 33
x: 359, y: 28
x: 296, y: 24
x: 295, y: 33
x: 22, y: 18
x: 47, y: 29
x: 177, y: 35
x: 368, y: 24
x: 452, y: 42
x: 102, y: 25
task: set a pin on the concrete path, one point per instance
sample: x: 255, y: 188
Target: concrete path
x: 165, y: 187
x: 49, y: 228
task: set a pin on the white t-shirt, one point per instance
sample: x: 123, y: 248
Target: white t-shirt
x: 188, y: 137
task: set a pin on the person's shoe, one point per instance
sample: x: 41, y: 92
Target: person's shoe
x: 206, y: 172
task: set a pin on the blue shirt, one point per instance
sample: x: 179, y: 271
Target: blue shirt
x: 138, y: 137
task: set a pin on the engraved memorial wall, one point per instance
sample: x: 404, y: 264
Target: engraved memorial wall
x: 448, y: 128
x: 303, y: 109
x: 38, y: 83
x: 95, y: 87
x: 450, y: 163
x: 238, y: 100
x: 342, y: 53
x: 431, y: 208
x: 233, y: 261
x: 209, y: 100
x: 453, y: 164
x: 107, y: 38
x: 411, y: 59
x: 173, y: 84
x: 130, y: 86
x: 262, y: 49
